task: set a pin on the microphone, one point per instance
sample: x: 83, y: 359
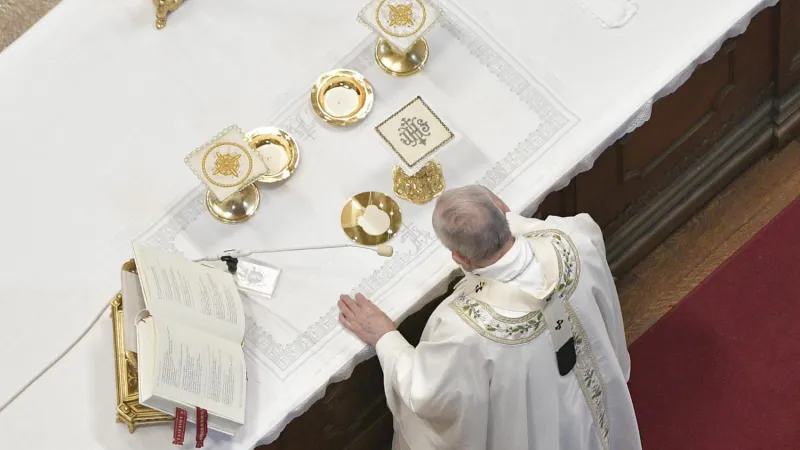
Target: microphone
x: 384, y: 250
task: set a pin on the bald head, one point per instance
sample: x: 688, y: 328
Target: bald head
x: 470, y: 221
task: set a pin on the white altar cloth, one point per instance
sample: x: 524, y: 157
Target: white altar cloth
x: 110, y: 106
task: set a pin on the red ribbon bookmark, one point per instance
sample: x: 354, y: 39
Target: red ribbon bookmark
x: 202, y: 426
x: 179, y: 428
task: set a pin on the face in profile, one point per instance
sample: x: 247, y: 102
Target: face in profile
x: 462, y: 262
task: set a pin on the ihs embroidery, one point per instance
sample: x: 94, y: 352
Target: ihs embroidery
x: 414, y: 131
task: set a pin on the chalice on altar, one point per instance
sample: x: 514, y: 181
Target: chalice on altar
x: 415, y: 134
x: 401, y: 49
x: 229, y: 167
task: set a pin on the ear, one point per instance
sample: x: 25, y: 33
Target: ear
x: 461, y: 261
x: 499, y: 203
x: 503, y: 207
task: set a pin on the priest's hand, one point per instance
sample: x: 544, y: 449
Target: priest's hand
x: 364, y: 319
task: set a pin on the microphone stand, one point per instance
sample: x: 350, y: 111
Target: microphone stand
x: 231, y: 257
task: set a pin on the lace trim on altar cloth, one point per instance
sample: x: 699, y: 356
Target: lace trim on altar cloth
x: 514, y: 331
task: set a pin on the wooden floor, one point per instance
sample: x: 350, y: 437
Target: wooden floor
x: 687, y: 257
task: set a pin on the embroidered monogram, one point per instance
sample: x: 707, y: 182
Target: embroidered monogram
x: 505, y: 330
x: 414, y: 131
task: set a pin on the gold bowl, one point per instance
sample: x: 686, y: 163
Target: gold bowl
x: 342, y: 97
x: 279, y: 151
x: 355, y: 209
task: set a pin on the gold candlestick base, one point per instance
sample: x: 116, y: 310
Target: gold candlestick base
x: 421, y: 187
x: 401, y: 64
x: 163, y: 8
x: 237, y: 208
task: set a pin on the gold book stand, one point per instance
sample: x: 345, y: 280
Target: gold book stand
x: 129, y: 411
x: 163, y: 8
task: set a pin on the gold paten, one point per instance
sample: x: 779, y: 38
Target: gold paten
x: 342, y: 79
x: 163, y: 8
x: 355, y: 208
x: 237, y: 208
x: 423, y: 186
x: 129, y: 411
x: 262, y: 136
x: 401, y: 64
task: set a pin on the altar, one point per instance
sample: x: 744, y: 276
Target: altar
x: 553, y: 106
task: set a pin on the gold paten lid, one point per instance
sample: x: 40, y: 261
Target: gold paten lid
x: 278, y: 150
x: 371, y: 218
x: 342, y: 97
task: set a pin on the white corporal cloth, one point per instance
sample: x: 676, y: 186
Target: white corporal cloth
x: 98, y: 109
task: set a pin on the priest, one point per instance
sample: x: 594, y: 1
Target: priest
x: 527, y: 353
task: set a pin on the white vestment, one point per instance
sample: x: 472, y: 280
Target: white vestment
x: 485, y: 375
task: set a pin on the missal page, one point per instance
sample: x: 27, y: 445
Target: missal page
x: 200, y: 370
x: 188, y: 292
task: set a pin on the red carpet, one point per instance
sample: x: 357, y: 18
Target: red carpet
x: 722, y: 370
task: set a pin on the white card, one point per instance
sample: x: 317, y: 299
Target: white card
x: 414, y: 133
x: 226, y: 164
x: 257, y: 276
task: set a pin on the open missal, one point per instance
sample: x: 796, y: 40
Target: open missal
x: 189, y: 339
